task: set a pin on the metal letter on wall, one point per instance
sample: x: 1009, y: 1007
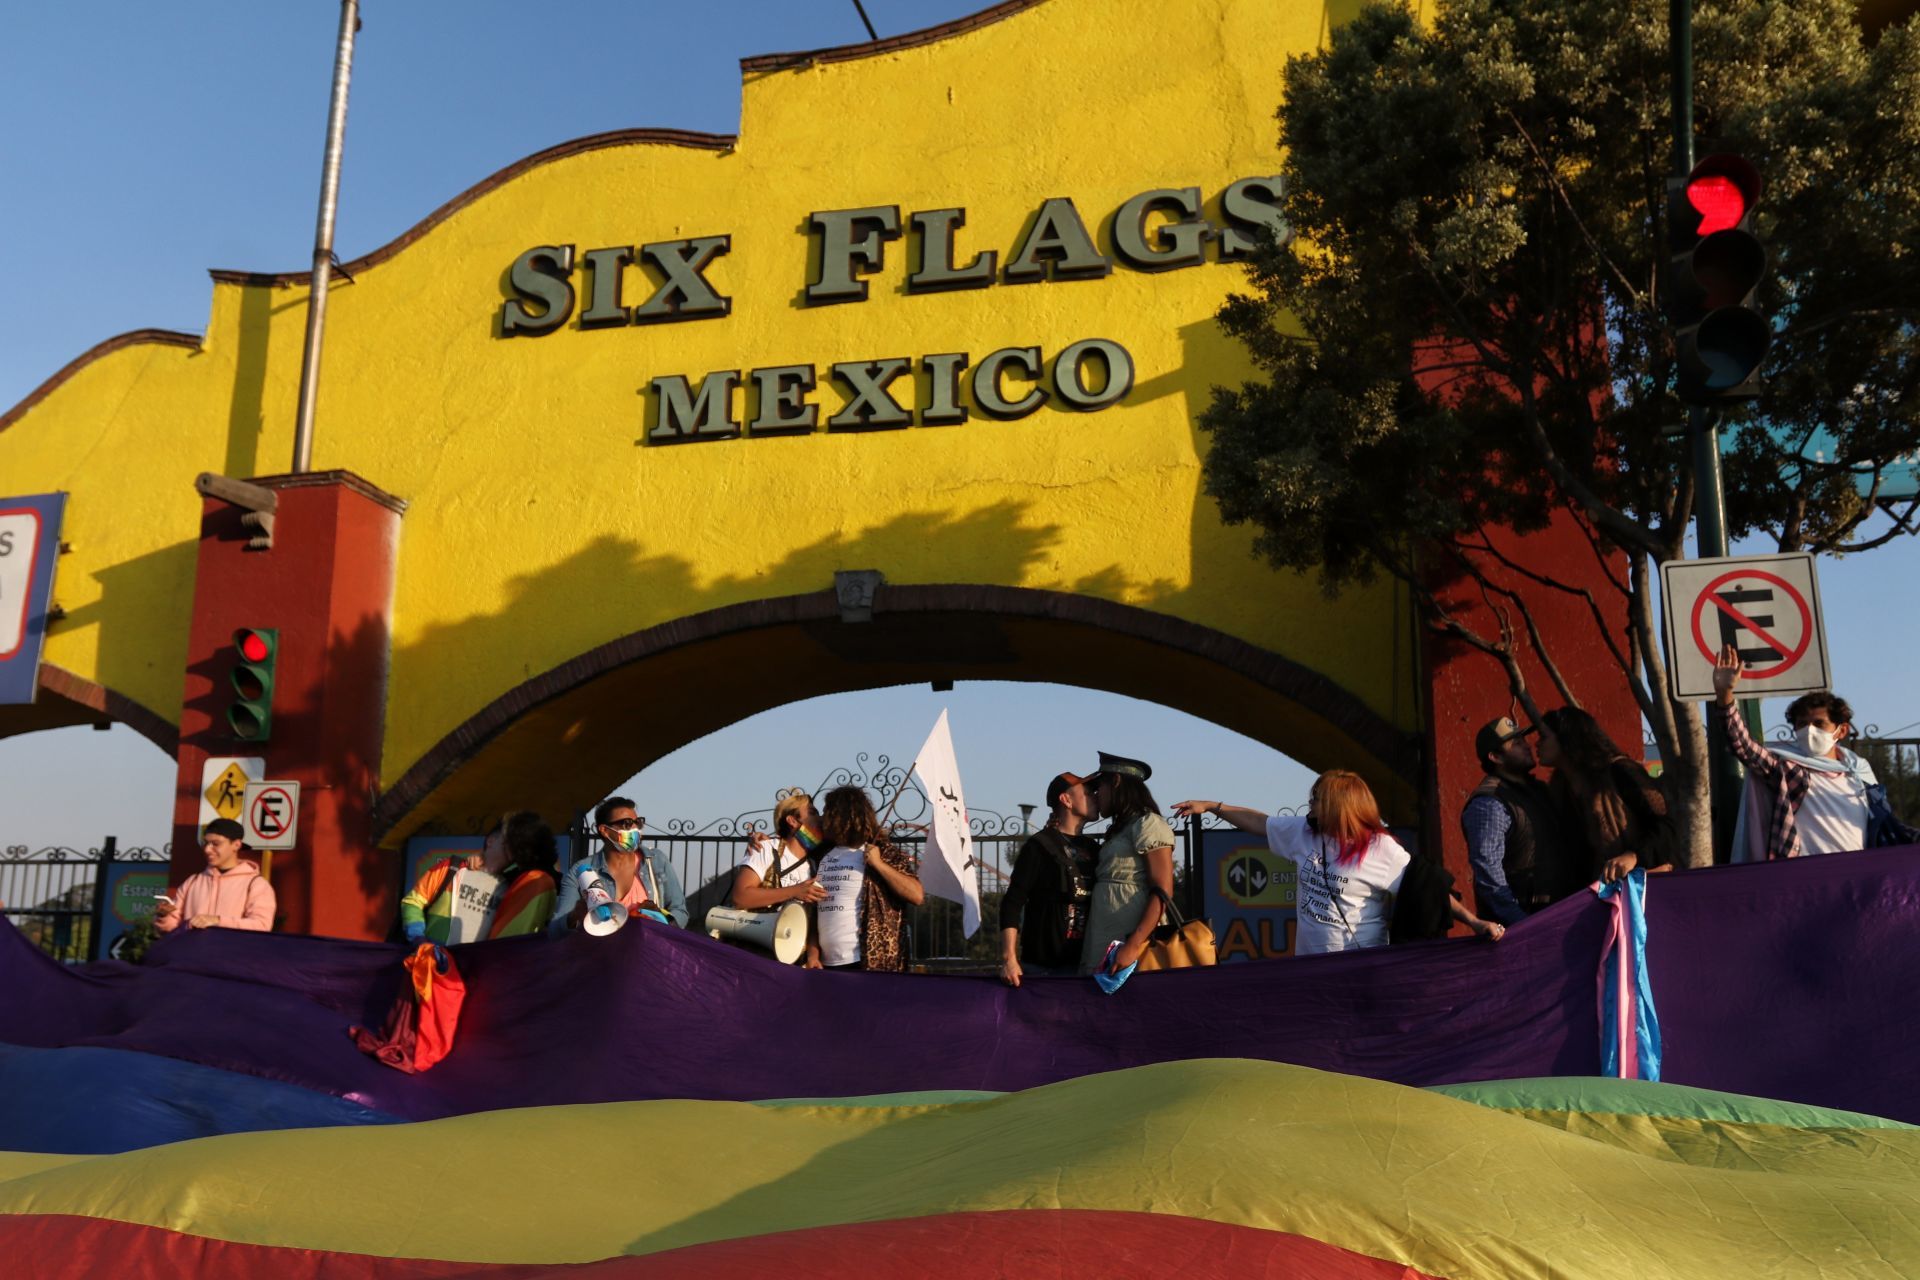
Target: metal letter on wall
x: 1057, y: 247
x: 686, y: 416
x: 943, y: 406
x: 1251, y: 206
x: 1069, y: 386
x: 1180, y: 243
x: 783, y: 409
x: 604, y: 309
x: 871, y: 408
x: 935, y: 271
x: 541, y: 275
x: 684, y: 293
x: 986, y: 383
x: 851, y: 240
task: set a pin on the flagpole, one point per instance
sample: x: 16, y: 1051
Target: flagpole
x: 323, y: 237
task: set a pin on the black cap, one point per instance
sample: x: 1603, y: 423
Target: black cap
x: 1126, y: 766
x: 224, y: 827
x: 1496, y: 734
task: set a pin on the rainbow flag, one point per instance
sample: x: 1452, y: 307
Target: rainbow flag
x: 810, y: 838
x: 1431, y: 1110
x: 1196, y: 1168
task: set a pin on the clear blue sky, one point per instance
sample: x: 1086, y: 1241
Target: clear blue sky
x: 141, y: 144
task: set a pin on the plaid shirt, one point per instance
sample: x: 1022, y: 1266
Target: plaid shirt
x: 1785, y: 782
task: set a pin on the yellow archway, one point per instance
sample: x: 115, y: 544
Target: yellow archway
x: 547, y: 526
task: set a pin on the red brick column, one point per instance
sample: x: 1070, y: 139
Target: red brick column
x: 1467, y: 688
x: 327, y: 586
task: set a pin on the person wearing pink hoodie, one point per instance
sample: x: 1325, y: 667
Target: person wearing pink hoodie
x: 229, y: 894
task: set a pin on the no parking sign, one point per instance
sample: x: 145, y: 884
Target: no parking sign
x: 272, y: 815
x: 1766, y: 607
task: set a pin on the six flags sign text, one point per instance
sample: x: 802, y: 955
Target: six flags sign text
x: 1163, y: 229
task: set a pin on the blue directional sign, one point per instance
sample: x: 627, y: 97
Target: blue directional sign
x: 29, y: 544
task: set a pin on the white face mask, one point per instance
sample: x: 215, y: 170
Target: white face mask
x: 1814, y: 741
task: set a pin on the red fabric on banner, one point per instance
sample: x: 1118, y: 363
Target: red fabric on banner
x: 425, y: 1016
x: 1034, y: 1244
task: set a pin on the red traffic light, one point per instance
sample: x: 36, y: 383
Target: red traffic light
x: 1716, y: 196
x: 1718, y: 200
x: 254, y: 647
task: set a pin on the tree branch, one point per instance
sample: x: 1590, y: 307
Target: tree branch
x: 1553, y: 180
x: 1593, y: 606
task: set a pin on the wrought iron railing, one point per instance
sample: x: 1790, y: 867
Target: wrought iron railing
x: 49, y: 892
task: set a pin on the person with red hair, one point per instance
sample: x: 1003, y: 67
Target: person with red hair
x: 1347, y: 868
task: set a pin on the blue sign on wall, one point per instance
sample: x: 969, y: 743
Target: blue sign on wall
x: 130, y: 889
x: 29, y: 545
x: 1248, y: 893
x: 1247, y: 896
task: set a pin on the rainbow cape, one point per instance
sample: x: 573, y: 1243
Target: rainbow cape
x: 660, y: 1105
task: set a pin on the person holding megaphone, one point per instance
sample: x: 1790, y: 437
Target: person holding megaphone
x: 631, y: 876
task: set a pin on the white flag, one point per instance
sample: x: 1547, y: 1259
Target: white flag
x: 947, y: 868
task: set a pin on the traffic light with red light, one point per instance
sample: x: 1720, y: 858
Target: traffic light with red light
x: 250, y: 714
x: 1719, y: 335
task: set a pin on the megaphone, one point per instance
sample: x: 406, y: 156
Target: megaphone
x: 783, y: 932
x: 604, y: 915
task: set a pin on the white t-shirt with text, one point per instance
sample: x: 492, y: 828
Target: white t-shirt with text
x: 1338, y: 906
x: 843, y: 873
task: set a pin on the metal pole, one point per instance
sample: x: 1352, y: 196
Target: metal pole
x: 323, y: 236
x: 97, y: 909
x: 1724, y: 774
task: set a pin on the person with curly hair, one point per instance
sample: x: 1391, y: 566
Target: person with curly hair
x: 869, y: 885
x: 1813, y: 797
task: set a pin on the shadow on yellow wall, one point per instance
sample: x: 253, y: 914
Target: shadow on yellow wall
x: 568, y: 733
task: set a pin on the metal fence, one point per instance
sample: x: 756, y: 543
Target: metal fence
x: 49, y: 893
x: 706, y: 855
x: 935, y: 929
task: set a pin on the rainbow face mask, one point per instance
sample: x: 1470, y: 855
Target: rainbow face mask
x: 627, y: 841
x: 809, y: 837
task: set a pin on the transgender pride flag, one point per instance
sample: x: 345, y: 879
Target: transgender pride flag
x: 1629, y: 1027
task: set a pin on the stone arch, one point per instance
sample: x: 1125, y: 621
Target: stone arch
x: 67, y: 699
x: 567, y: 734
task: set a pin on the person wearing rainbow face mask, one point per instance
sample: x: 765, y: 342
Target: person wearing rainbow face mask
x: 644, y: 883
x: 782, y: 870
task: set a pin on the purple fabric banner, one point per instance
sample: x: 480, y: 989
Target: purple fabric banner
x: 1797, y: 981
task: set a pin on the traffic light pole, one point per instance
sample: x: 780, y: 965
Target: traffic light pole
x: 1725, y: 776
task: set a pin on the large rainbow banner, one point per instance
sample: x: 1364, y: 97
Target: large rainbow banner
x: 654, y: 1103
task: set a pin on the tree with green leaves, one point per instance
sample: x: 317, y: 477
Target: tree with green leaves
x: 1463, y: 330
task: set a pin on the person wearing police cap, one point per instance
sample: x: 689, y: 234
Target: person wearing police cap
x: 1043, y: 916
x: 1135, y: 860
x: 1515, y: 832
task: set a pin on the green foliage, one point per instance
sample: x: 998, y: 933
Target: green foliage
x: 1897, y: 766
x: 1466, y: 328
x: 138, y: 940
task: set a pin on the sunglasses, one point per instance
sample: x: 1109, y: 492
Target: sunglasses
x: 625, y: 824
